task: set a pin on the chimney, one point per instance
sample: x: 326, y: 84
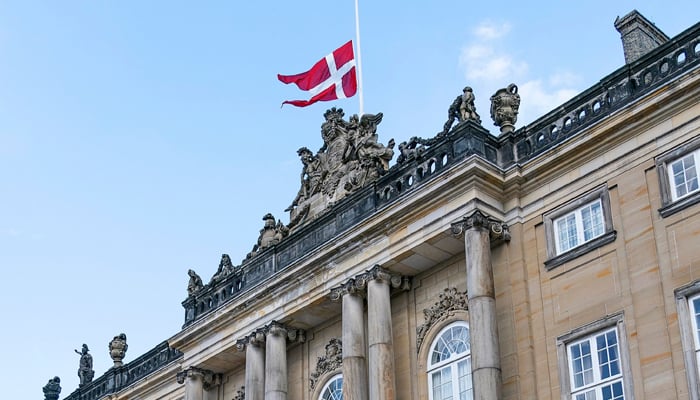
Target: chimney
x: 639, y: 35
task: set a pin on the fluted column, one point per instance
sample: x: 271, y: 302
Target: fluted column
x: 276, y: 336
x: 254, y: 346
x: 197, y: 381
x: 380, y: 339
x: 354, y: 343
x: 479, y: 230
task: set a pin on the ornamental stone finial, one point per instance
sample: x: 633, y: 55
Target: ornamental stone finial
x: 117, y: 349
x: 52, y: 389
x: 498, y: 230
x: 504, y: 108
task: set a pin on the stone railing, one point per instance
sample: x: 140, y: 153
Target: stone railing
x: 118, y: 378
x: 619, y: 89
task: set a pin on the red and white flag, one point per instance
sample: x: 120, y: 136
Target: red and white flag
x: 331, y: 78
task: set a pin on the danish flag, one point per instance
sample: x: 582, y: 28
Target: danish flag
x: 332, y: 78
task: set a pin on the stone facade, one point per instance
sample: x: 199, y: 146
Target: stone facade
x: 466, y: 231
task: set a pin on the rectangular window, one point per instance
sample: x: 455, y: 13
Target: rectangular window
x: 578, y: 226
x: 683, y: 174
x: 678, y: 177
x: 688, y: 305
x: 594, y: 363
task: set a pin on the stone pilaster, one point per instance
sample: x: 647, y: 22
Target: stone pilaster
x: 381, y: 348
x: 254, y: 346
x: 353, y: 338
x: 198, y: 382
x: 479, y: 230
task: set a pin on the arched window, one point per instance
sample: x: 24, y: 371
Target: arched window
x: 449, y: 364
x: 333, y: 389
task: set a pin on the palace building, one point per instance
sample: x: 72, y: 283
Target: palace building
x: 554, y: 261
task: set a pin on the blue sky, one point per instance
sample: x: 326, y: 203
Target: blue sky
x: 141, y: 139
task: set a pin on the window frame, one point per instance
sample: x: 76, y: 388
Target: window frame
x: 554, y: 256
x: 589, y: 332
x: 453, y: 361
x: 689, y: 340
x: 328, y: 382
x: 670, y: 203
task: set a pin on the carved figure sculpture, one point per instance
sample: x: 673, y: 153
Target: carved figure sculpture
x: 85, y: 371
x: 117, y: 349
x: 466, y: 108
x: 350, y: 158
x: 462, y: 109
x: 271, y: 234
x: 225, y: 268
x: 505, y: 104
x: 195, y: 284
x: 52, y: 389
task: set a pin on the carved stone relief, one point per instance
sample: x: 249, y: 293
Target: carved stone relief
x: 450, y: 301
x: 331, y: 361
x: 351, y: 157
x: 240, y: 394
x: 271, y: 234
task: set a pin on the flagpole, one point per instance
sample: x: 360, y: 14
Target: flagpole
x: 359, y: 57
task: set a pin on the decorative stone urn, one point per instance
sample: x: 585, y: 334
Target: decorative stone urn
x: 504, y: 108
x: 117, y: 349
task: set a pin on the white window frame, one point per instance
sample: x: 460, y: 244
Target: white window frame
x: 690, y: 337
x: 327, y: 385
x: 453, y: 362
x: 695, y: 156
x: 671, y: 202
x: 597, y: 383
x: 589, y: 333
x: 556, y: 255
x: 579, y: 226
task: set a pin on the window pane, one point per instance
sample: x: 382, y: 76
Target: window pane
x: 567, y: 237
x: 592, y: 216
x: 581, y: 365
x: 464, y: 369
x: 607, y: 354
x: 613, y: 391
x: 334, y: 389
x: 684, y: 176
x: 696, y: 313
x: 451, y: 343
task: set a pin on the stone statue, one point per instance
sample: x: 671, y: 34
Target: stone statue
x: 225, y: 268
x: 117, y: 349
x: 462, y: 109
x: 351, y: 157
x: 52, y: 389
x: 85, y: 371
x: 195, y: 284
x: 505, y: 104
x: 271, y: 234
x: 467, y: 110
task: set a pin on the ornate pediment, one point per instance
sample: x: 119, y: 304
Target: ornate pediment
x: 351, y: 157
x: 331, y: 361
x: 450, y: 301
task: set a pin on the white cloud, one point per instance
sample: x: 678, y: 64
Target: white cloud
x: 483, y: 63
x: 488, y: 30
x: 536, y: 99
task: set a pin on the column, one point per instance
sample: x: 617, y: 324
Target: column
x: 381, y: 348
x: 354, y: 343
x: 276, y: 362
x: 254, y: 346
x: 478, y: 231
x: 197, y: 382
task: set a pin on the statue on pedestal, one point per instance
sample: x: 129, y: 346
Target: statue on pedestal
x: 85, y: 371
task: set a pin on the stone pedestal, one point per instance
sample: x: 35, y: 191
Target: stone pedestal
x: 479, y: 230
x: 276, y: 362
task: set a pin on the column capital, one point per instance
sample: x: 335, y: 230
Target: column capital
x: 498, y: 230
x: 378, y: 273
x: 209, y: 378
x: 349, y: 287
x: 255, y: 338
x: 277, y: 328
